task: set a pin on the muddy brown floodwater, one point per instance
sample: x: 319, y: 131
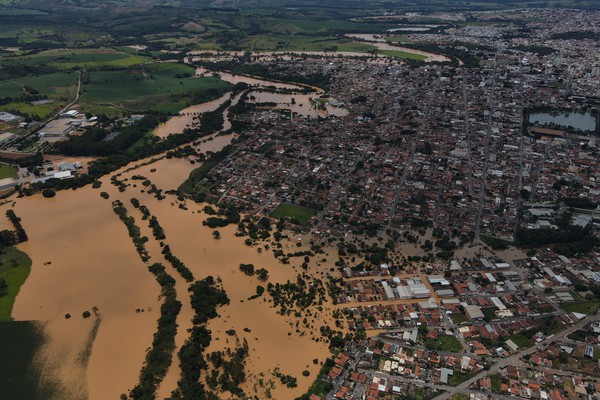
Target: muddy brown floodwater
x: 83, y: 258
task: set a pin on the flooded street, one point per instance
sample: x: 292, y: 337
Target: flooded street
x: 300, y: 104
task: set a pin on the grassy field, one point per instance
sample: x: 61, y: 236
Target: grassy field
x: 303, y: 43
x: 14, y: 268
x: 522, y: 341
x: 20, y: 11
x: 458, y: 378
x: 460, y: 396
x: 7, y: 171
x: 288, y: 25
x: 459, y: 318
x: 154, y: 87
x: 19, y: 344
x: 402, y: 55
x: 58, y: 86
x: 496, y: 383
x: 582, y: 306
x: 444, y: 343
x: 42, y: 111
x: 81, y: 58
x: 398, y: 39
x: 489, y: 313
x: 302, y: 214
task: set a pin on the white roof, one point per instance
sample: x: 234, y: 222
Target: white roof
x: 62, y: 174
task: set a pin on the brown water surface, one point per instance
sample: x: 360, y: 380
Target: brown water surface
x: 83, y: 258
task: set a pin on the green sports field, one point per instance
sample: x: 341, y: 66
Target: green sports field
x: 7, y: 171
x: 302, y: 214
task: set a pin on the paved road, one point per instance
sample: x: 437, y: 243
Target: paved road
x: 358, y: 355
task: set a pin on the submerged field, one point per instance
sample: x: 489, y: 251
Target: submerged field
x: 19, y: 378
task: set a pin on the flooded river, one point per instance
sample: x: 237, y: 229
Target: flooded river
x: 380, y: 42
x: 299, y: 103
x: 84, y: 260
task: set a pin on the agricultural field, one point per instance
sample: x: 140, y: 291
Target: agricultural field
x: 402, y: 55
x: 288, y: 25
x: 41, y: 111
x: 14, y: 269
x: 303, y: 43
x: 20, y: 11
x: 59, y: 88
x: 302, y: 214
x: 76, y: 59
x: 163, y: 87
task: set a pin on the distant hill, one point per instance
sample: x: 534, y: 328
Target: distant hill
x: 397, y: 5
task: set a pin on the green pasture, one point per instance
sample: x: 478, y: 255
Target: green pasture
x: 14, y: 269
x: 76, y: 59
x: 288, y: 25
x: 303, y: 43
x: 402, y: 55
x: 20, y: 11
x: 42, y: 111
x: 153, y: 87
x: 59, y: 86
